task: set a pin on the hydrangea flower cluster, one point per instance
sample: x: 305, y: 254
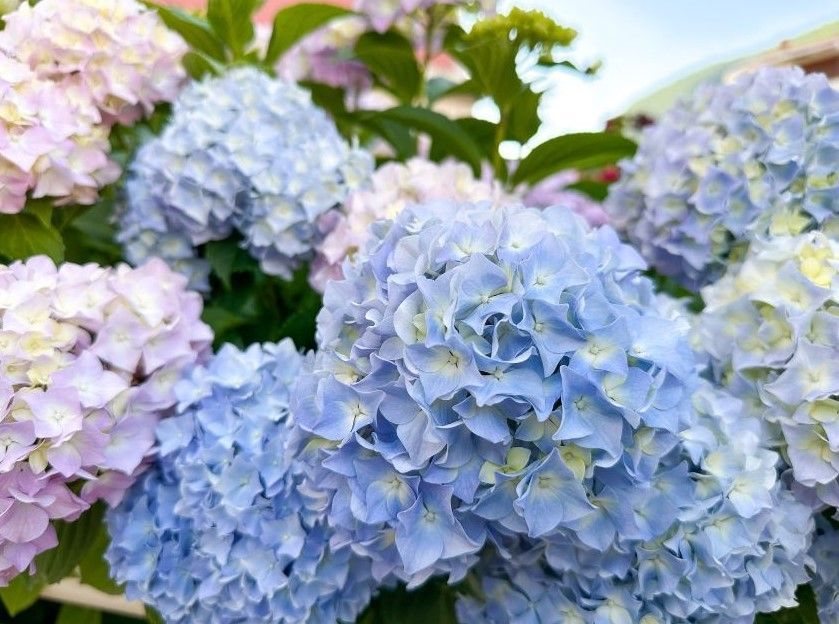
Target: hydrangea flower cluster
x: 244, y: 153
x: 729, y: 164
x: 221, y: 532
x: 117, y: 53
x: 553, y: 191
x: 390, y: 189
x: 484, y: 373
x: 89, y: 357
x: 736, y: 544
x: 825, y: 552
x: 771, y: 328
x: 51, y: 141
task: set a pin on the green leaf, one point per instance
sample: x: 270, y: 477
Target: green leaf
x: 91, y: 236
x: 439, y: 87
x: 331, y: 99
x: 433, y: 602
x: 198, y: 65
x: 195, y: 31
x: 42, y: 209
x: 481, y: 131
x: 391, y: 59
x: 492, y: 65
x: 153, y: 617
x: 573, y: 151
x: 295, y: 22
x: 93, y: 568
x: 449, y: 136
x: 399, y: 136
x: 222, y: 320
x: 523, y: 119
x: 74, y: 540
x: 221, y: 255
x: 300, y: 325
x: 72, y: 614
x: 596, y: 190
x: 21, y: 593
x: 25, y: 234
x: 232, y: 22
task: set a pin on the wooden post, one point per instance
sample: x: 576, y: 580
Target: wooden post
x: 71, y: 591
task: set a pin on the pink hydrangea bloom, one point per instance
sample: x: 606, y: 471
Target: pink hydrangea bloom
x: 118, y: 51
x: 391, y: 188
x: 51, y: 141
x: 88, y: 360
x: 553, y: 191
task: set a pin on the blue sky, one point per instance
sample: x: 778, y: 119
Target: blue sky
x: 645, y: 44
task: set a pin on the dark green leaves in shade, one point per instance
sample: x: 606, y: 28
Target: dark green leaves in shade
x: 30, y: 233
x: 451, y: 138
x: 392, y: 60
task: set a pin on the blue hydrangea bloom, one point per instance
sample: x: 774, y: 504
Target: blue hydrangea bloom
x: 731, y: 163
x: 735, y: 543
x: 491, y: 372
x: 242, y: 153
x: 825, y: 552
x: 771, y: 330
x: 220, y: 530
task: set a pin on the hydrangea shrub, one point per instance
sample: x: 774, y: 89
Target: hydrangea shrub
x: 89, y: 357
x: 52, y: 143
x: 737, y: 545
x: 729, y: 164
x: 221, y: 531
x: 116, y: 53
x: 390, y: 189
x: 242, y: 153
x: 485, y: 373
x: 771, y: 329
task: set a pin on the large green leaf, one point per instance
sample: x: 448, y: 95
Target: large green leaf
x: 404, y: 143
x: 295, y: 22
x: 26, y: 234
x: 583, y: 150
x: 93, y: 569
x: 393, y: 63
x: 491, y: 62
x: 198, y: 65
x: 523, y: 119
x: 221, y: 256
x: 21, y: 593
x: 195, y: 31
x: 596, y: 190
x: 72, y: 614
x: 446, y: 134
x: 232, y: 22
x: 74, y: 540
